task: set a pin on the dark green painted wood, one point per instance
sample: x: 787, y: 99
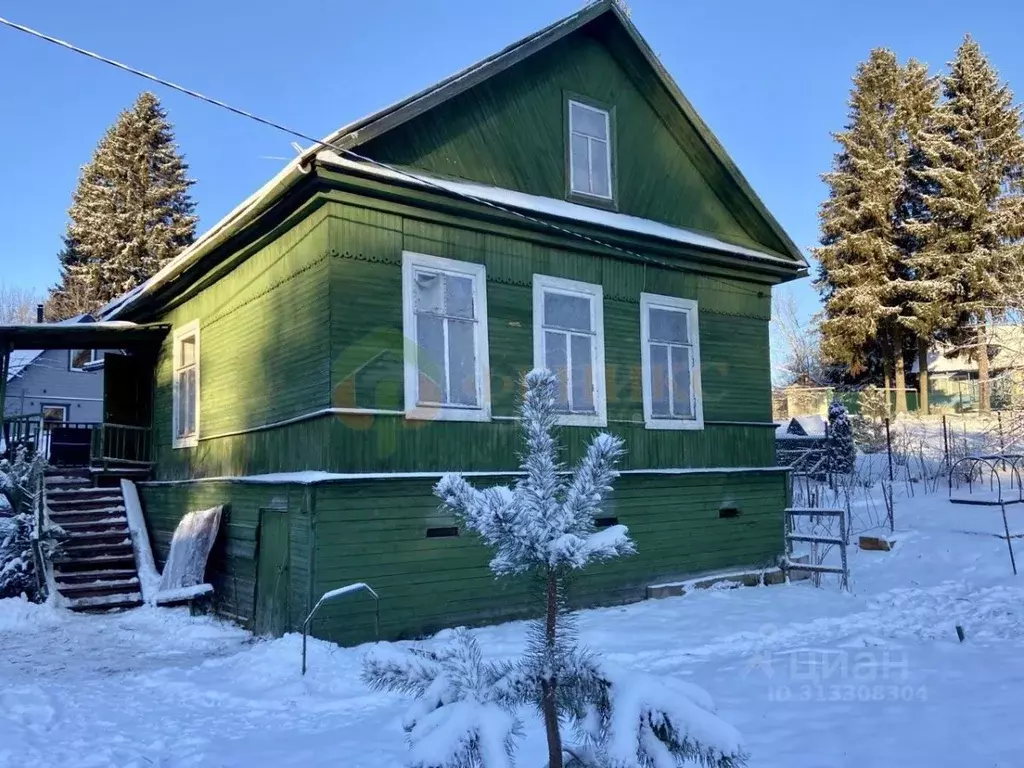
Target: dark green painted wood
x: 232, y: 568
x: 316, y: 322
x: 510, y: 132
x: 273, y: 574
x: 376, y: 532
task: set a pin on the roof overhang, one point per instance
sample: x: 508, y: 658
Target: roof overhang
x: 101, y: 335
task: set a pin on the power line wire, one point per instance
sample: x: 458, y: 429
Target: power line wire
x: 327, y: 145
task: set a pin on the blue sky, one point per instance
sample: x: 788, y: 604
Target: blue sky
x: 771, y: 79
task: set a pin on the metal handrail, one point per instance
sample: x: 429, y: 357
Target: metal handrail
x: 335, y: 593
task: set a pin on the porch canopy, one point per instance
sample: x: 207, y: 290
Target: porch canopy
x: 111, y: 334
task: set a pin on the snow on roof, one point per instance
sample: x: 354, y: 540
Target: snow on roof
x: 22, y: 358
x: 362, y: 129
x: 811, y: 425
x: 1008, y: 344
x: 552, y: 207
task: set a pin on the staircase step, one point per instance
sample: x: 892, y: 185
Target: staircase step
x: 106, y: 602
x: 88, y: 526
x: 85, y: 515
x: 68, y: 565
x: 71, y: 487
x: 73, y: 505
x: 78, y: 550
x: 66, y: 482
x: 109, y: 537
x: 99, y: 588
x: 85, y: 577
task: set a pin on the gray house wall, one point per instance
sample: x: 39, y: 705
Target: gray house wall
x: 48, y: 380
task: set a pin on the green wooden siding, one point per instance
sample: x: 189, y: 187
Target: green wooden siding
x: 232, y: 568
x: 263, y: 350
x: 509, y: 131
x: 375, y: 531
x: 321, y: 326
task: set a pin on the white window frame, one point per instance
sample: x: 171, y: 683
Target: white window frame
x: 413, y: 409
x: 64, y: 407
x: 189, y: 329
x: 650, y: 301
x: 590, y: 160
x: 94, y: 356
x: 595, y: 293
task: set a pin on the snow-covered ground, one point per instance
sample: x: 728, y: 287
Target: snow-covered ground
x: 812, y: 677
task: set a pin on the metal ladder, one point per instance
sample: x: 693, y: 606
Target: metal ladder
x: 843, y: 571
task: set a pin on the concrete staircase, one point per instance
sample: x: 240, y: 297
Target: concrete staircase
x: 95, y: 569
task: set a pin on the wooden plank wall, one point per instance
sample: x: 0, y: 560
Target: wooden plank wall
x: 509, y: 132
x: 263, y: 357
x: 375, y: 532
x: 233, y: 562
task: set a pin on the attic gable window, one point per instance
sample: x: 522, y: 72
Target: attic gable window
x: 447, y: 372
x: 185, y: 395
x: 590, y: 151
x: 670, y: 358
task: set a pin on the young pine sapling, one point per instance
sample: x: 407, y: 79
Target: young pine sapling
x: 466, y: 710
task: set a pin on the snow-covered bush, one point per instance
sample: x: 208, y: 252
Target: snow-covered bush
x: 18, y: 482
x: 842, y: 453
x: 465, y: 714
x: 874, y: 403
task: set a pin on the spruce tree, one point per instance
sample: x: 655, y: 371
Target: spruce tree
x: 928, y: 308
x: 131, y: 212
x: 975, y: 168
x: 859, y: 257
x: 842, y: 453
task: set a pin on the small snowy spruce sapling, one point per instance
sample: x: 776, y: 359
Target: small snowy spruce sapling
x: 465, y: 714
x: 842, y: 453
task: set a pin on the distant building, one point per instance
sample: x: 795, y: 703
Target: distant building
x: 953, y: 376
x: 55, y: 386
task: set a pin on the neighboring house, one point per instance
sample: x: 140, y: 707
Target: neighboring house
x: 953, y: 376
x: 55, y: 385
x: 361, y: 325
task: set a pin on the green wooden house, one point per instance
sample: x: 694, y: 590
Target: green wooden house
x: 361, y: 325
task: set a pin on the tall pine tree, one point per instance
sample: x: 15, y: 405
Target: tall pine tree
x: 131, y: 212
x: 859, y: 256
x: 928, y: 309
x: 873, y: 224
x: 975, y: 158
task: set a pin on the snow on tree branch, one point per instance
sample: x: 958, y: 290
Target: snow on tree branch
x: 642, y: 720
x: 462, y: 716
x: 541, y: 522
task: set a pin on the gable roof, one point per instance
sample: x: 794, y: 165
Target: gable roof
x: 345, y: 139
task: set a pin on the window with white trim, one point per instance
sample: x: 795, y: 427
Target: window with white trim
x: 447, y: 372
x: 590, y: 151
x: 185, y: 418
x: 80, y: 359
x: 568, y: 339
x: 670, y: 358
